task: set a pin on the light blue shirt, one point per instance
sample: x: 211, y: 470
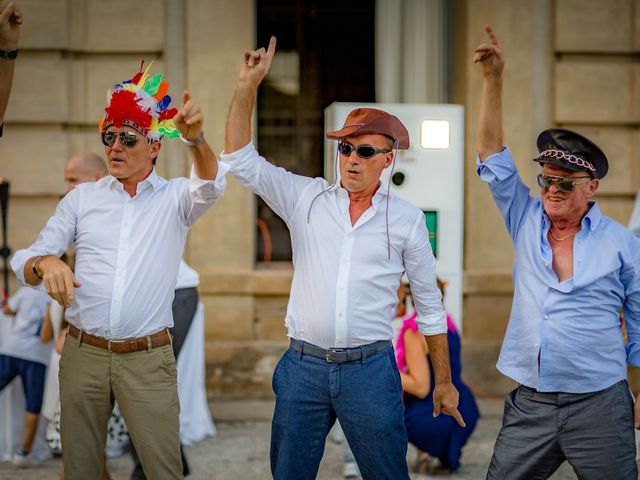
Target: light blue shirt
x: 634, y: 221
x: 566, y: 336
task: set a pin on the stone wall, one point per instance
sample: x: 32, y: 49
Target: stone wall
x: 571, y: 63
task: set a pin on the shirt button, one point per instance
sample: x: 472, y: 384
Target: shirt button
x: 546, y: 317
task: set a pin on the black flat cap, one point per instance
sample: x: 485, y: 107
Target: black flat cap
x: 572, y: 151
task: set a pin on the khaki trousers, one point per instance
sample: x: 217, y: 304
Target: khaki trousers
x: 145, y: 385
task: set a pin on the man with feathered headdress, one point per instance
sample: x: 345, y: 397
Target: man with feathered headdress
x: 129, y: 229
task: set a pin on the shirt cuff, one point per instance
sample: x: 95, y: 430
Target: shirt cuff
x: 496, y: 167
x: 633, y: 354
x: 196, y: 183
x: 230, y: 157
x: 434, y: 324
x: 17, y: 264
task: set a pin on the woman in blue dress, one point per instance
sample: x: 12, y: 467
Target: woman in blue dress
x: 440, y: 437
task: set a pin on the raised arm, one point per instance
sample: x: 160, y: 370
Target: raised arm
x: 490, y: 58
x: 254, y: 68
x: 189, y: 121
x: 10, y: 21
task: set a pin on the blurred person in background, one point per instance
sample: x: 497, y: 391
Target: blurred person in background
x: 82, y: 167
x: 435, y: 437
x: 438, y: 439
x: 22, y: 354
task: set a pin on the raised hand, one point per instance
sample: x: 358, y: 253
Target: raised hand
x: 189, y: 118
x: 490, y: 56
x: 10, y: 21
x: 256, y: 65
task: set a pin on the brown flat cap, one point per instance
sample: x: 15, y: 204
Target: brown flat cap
x: 362, y: 121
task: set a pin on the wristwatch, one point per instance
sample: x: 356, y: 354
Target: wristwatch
x: 8, y: 54
x: 196, y: 141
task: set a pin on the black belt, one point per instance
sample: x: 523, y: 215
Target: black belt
x: 339, y: 355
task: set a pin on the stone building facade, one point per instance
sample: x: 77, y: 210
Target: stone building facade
x: 573, y: 63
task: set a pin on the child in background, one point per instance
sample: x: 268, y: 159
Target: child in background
x: 22, y: 354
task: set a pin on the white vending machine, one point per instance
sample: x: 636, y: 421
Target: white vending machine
x: 430, y: 174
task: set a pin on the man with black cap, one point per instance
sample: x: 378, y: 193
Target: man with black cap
x: 352, y: 241
x: 575, y: 271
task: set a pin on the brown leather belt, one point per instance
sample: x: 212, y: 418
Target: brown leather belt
x: 158, y: 339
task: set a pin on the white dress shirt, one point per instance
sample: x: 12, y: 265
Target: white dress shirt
x: 30, y: 305
x: 187, y: 276
x: 344, y: 290
x: 128, y: 249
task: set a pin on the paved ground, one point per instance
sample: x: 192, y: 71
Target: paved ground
x: 240, y: 450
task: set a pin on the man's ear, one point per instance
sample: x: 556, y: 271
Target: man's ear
x: 593, y: 186
x: 155, y: 149
x: 388, y: 158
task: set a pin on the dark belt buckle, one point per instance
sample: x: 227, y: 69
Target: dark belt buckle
x: 330, y: 352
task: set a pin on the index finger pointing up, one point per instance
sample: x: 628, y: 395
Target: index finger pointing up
x: 492, y: 35
x: 186, y: 96
x: 271, y: 50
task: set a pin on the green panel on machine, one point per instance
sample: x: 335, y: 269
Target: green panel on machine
x: 431, y: 218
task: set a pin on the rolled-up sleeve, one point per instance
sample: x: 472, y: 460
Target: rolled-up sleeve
x: 54, y: 238
x: 420, y: 265
x: 631, y: 306
x: 510, y: 194
x: 279, y: 188
x: 201, y: 194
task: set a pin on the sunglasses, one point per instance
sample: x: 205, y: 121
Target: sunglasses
x: 363, y: 151
x: 564, y: 184
x: 128, y: 139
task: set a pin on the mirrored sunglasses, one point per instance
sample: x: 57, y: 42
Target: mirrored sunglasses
x: 128, y: 139
x: 564, y: 184
x: 363, y: 151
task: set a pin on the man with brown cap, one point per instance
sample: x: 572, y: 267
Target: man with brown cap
x: 352, y: 242
x: 575, y: 271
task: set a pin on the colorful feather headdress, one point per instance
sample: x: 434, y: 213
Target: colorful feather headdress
x: 141, y: 103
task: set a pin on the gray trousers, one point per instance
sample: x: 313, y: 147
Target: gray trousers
x: 592, y: 431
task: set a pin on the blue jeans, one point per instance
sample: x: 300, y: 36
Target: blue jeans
x: 366, y: 396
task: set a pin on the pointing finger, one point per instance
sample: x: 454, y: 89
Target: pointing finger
x: 458, y: 417
x: 492, y: 35
x: 271, y: 50
x: 186, y: 96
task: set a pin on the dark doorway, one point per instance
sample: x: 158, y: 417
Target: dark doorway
x: 325, y: 54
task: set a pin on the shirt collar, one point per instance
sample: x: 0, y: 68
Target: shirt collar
x: 382, y: 190
x: 591, y: 219
x: 593, y: 216
x: 152, y: 181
